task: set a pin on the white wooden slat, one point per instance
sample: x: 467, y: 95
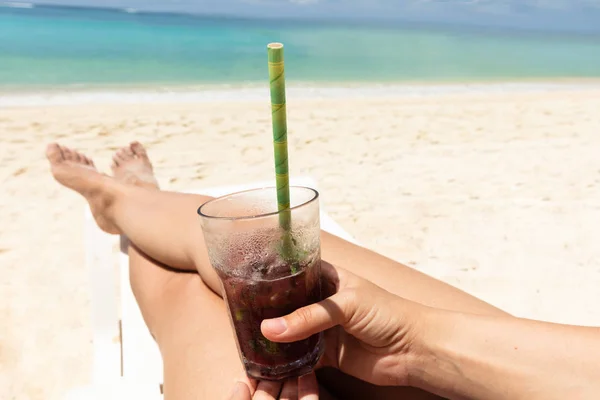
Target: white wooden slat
x: 105, y: 318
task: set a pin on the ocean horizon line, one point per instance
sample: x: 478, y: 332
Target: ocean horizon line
x: 370, y: 22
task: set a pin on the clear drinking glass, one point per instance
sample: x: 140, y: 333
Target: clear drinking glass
x: 266, y: 271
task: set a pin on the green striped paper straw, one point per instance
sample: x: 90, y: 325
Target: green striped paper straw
x: 282, y: 177
x: 278, y: 113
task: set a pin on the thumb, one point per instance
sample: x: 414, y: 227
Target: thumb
x: 309, y: 320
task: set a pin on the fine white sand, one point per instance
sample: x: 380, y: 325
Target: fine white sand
x: 496, y: 191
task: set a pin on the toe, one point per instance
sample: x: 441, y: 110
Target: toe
x: 123, y: 155
x: 126, y: 153
x: 68, y: 154
x: 78, y: 157
x: 53, y: 153
x: 138, y: 149
x: 116, y: 159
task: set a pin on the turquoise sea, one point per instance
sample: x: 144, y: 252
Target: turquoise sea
x: 43, y: 46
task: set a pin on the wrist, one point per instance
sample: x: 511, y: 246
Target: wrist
x: 420, y: 353
x: 415, y: 339
x: 429, y: 367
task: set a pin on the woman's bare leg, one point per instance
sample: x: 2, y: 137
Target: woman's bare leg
x: 186, y: 318
x: 189, y: 323
x: 166, y: 227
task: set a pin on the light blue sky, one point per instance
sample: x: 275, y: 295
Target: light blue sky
x: 569, y: 14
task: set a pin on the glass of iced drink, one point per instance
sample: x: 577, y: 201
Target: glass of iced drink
x: 269, y: 264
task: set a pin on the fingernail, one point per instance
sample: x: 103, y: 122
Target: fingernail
x: 276, y: 326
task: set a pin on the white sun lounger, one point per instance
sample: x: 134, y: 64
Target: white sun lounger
x: 126, y: 360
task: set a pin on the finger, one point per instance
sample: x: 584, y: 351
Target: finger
x: 330, y: 279
x: 289, y: 390
x: 315, y: 318
x: 331, y: 338
x: 267, y: 390
x: 250, y: 383
x: 308, y: 387
x: 240, y: 392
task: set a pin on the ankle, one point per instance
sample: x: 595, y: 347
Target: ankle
x: 110, y: 194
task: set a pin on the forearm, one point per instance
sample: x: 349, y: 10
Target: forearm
x: 468, y: 356
x: 399, y: 279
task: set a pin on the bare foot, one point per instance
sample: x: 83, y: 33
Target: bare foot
x: 131, y: 165
x: 77, y: 172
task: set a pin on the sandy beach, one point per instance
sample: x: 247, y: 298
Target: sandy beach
x: 494, y: 191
